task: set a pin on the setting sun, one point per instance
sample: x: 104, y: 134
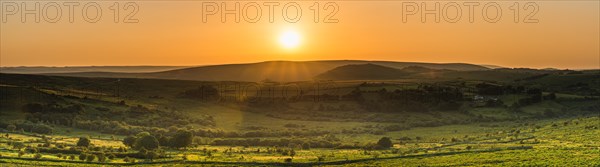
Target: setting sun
x: 289, y: 39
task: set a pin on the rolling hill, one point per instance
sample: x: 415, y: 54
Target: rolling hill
x: 77, y: 69
x: 285, y: 71
x: 362, y: 71
x: 374, y: 72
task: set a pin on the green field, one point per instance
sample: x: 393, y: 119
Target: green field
x: 429, y: 123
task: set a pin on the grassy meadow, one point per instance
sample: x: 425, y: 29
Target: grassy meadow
x: 63, y: 121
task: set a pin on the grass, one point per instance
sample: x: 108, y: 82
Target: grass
x: 569, y: 142
x: 512, y: 139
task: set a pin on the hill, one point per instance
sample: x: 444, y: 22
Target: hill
x: 285, y: 71
x: 376, y: 72
x: 76, y: 69
x: 362, y: 72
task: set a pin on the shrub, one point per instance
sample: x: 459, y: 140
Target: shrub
x: 385, y: 142
x: 101, y: 157
x: 11, y: 127
x: 37, y: 156
x: 111, y: 156
x: 305, y: 146
x: 83, y: 142
x: 146, y: 141
x: 129, y: 141
x: 90, y: 157
x: 182, y: 139
x: 151, y: 155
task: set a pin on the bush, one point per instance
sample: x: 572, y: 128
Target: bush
x: 90, y: 157
x: 129, y: 141
x: 11, y: 127
x: 82, y: 156
x: 385, y: 142
x: 146, y: 141
x: 101, y: 157
x: 305, y: 146
x: 111, y: 156
x: 83, y: 142
x: 151, y: 155
x: 37, y: 156
x: 182, y: 139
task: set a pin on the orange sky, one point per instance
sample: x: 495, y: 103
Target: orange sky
x: 173, y: 33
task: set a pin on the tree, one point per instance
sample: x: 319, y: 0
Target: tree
x: 18, y: 145
x: 83, y: 142
x: 151, y: 155
x: 129, y: 141
x: 292, y: 153
x: 90, y: 157
x: 182, y: 138
x: 21, y: 153
x: 111, y: 156
x: 164, y: 141
x: 82, y: 156
x: 11, y: 127
x: 147, y: 141
x: 305, y: 146
x: 385, y: 142
x: 101, y: 157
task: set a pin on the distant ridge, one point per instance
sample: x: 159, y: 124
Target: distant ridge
x: 375, y: 72
x: 362, y: 71
x: 74, y: 69
x: 283, y: 71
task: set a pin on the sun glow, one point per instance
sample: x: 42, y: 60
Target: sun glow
x: 289, y: 39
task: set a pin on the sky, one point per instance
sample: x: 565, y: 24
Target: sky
x: 558, y: 34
